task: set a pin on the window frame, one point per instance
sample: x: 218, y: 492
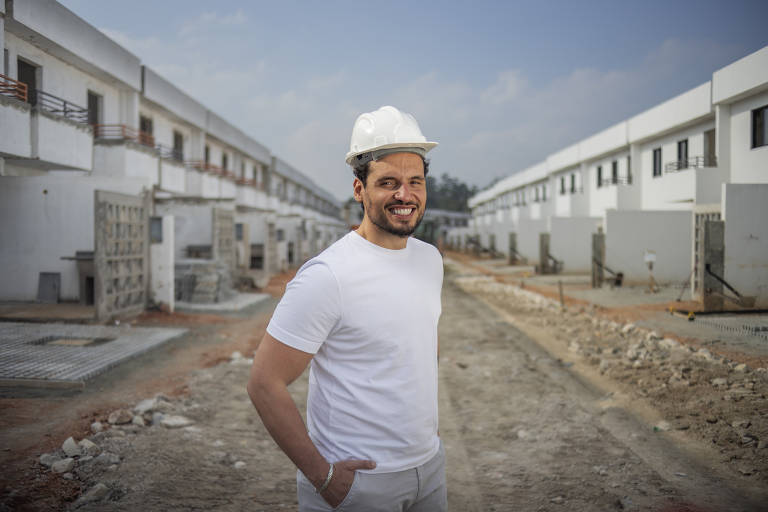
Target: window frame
x: 757, y: 128
x: 657, y: 166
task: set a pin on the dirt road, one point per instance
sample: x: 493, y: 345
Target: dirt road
x: 523, y: 431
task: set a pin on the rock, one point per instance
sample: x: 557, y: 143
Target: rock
x: 146, y: 405
x: 138, y: 420
x: 71, y: 448
x: 652, y: 336
x: 107, y: 458
x: 719, y: 382
x: 86, y: 458
x: 628, y: 328
x: 239, y: 464
x: 68, y: 476
x: 157, y: 418
x: 574, y: 346
x: 96, y: 427
x: 176, y: 421
x: 95, y: 493
x: 558, y: 500
x: 668, y: 343
x: 740, y: 367
x: 704, y: 354
x: 741, y: 423
x: 47, y: 459
x: 120, y: 417
x: 235, y: 356
x: 711, y: 419
x: 89, y: 447
x: 63, y: 465
x: 662, y: 426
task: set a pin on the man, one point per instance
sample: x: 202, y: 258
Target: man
x: 364, y: 313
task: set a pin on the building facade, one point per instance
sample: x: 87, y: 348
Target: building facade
x: 649, y: 184
x: 85, y: 125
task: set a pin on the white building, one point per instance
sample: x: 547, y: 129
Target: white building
x: 649, y: 182
x: 80, y: 114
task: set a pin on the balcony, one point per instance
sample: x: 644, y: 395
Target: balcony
x: 41, y: 131
x: 121, y: 150
x: 696, y: 162
x: 15, y: 119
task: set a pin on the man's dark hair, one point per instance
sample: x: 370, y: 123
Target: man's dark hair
x: 361, y: 172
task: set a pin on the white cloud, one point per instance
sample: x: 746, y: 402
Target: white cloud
x: 208, y: 21
x: 508, y: 87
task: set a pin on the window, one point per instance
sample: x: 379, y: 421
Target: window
x: 95, y: 101
x: 178, y: 145
x: 760, y: 127
x: 155, y: 230
x: 207, y: 154
x: 682, y: 154
x: 536, y: 194
x: 280, y: 235
x: 544, y: 192
x: 573, y: 183
x: 562, y: 185
x: 242, y: 170
x: 614, y: 172
x: 224, y: 161
x: 629, y: 170
x: 710, y: 160
x: 599, y: 176
x: 145, y: 124
x: 239, y: 231
x: 657, y: 162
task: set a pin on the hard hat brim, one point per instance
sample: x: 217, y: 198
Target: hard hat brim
x: 426, y: 146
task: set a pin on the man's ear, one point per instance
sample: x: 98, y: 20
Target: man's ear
x: 357, y: 190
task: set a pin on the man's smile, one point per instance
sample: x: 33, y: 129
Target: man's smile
x: 402, y: 211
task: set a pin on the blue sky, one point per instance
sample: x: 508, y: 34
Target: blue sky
x: 499, y: 84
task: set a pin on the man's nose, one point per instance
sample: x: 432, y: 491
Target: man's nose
x: 403, y: 193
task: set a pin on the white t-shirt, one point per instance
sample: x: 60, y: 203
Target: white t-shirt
x: 369, y: 315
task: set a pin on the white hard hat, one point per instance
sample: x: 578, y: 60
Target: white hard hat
x: 380, y: 132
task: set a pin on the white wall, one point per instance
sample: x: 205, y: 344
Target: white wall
x: 570, y: 241
x: 745, y: 211
x: 193, y: 224
x: 630, y: 233
x: 162, y: 271
x: 747, y: 165
x: 528, y: 231
x: 674, y: 190
x: 61, y: 143
x: 173, y: 177
x: 43, y: 218
x: 15, y: 120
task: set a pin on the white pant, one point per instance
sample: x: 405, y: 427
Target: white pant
x: 421, y: 489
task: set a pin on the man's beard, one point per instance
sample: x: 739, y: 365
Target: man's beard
x: 382, y: 222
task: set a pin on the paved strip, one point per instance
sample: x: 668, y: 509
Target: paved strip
x: 28, y: 352
x: 237, y: 303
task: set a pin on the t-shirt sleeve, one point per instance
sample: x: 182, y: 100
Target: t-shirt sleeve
x: 309, y: 309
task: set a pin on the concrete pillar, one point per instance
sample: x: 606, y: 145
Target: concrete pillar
x: 512, y: 248
x: 162, y: 283
x: 723, y: 139
x: 4, y: 65
x: 712, y: 253
x: 129, y: 108
x: 598, y: 258
x: 544, y: 266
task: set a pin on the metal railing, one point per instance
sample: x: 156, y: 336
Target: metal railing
x: 58, y: 106
x: 169, y: 153
x: 696, y: 162
x: 618, y: 180
x: 13, y: 88
x: 122, y: 132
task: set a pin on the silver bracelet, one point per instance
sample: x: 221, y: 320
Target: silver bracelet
x: 327, y: 481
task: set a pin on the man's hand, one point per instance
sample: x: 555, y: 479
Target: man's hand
x: 343, y: 476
